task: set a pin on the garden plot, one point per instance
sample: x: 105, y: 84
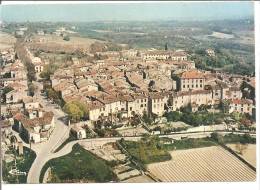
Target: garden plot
x: 132, y: 131
x: 109, y: 153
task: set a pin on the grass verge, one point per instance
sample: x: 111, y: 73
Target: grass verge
x: 78, y: 166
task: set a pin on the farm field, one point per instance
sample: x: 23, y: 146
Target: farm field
x: 210, y: 164
x: 138, y: 179
x: 6, y: 40
x: 53, y: 43
x: 222, y: 35
x: 249, y: 154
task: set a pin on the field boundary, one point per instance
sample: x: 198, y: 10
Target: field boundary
x: 237, y: 156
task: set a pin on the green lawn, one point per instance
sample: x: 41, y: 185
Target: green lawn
x: 189, y: 143
x: 79, y: 165
x: 23, y: 163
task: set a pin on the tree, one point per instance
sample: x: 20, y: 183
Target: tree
x: 186, y: 109
x: 224, y: 106
x: 76, y: 110
x: 173, y: 116
x: 48, y: 70
x: 83, y: 107
x: 217, y: 137
x: 166, y: 47
x: 236, y: 116
x: 241, y: 148
x: 31, y: 89
x: 53, y: 177
x: 73, y: 111
x: 66, y: 38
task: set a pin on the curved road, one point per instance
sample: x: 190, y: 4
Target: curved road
x: 45, y: 155
x: 44, y: 151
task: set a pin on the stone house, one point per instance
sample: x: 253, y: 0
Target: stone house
x: 35, y: 130
x: 182, y: 99
x: 190, y: 80
x: 241, y: 106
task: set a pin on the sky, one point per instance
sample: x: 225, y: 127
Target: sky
x: 126, y: 11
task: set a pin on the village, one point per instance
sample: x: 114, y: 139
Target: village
x: 114, y: 94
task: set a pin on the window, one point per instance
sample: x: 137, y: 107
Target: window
x: 241, y: 109
x: 201, y: 86
x: 200, y: 81
x: 141, y: 105
x: 183, y: 86
x: 130, y: 108
x: 196, y: 86
x: 188, y: 86
x: 192, y: 86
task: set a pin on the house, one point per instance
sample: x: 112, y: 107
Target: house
x: 210, y: 52
x: 86, y: 85
x: 5, y: 127
x: 241, y: 106
x: 38, y: 64
x: 15, y: 96
x: 157, y: 103
x: 165, y: 55
x: 35, y: 130
x: 95, y: 110
x: 195, y: 98
x: 30, y: 103
x: 234, y: 93
x: 78, y: 132
x: 190, y: 80
x: 138, y: 104
x: 179, y: 56
x: 40, y: 32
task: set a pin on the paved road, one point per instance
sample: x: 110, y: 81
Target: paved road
x: 44, y: 151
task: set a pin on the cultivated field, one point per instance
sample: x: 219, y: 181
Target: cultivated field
x: 210, y: 164
x: 53, y: 43
x: 139, y: 179
x: 6, y: 41
x: 249, y: 154
x: 222, y: 35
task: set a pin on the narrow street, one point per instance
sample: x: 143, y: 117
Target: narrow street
x: 44, y: 151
